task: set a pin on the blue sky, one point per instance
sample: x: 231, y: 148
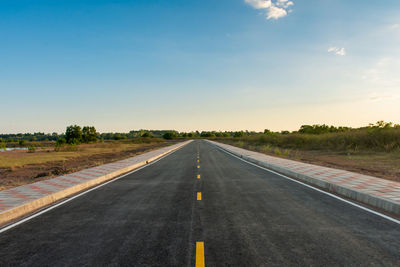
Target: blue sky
x: 198, y: 65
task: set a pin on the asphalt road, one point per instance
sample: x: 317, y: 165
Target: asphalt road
x: 247, y: 217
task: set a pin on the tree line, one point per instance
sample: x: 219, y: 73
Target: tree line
x: 75, y: 134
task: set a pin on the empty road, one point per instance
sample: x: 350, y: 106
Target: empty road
x: 235, y: 213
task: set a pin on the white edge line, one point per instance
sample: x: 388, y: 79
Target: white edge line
x: 8, y: 227
x: 312, y: 187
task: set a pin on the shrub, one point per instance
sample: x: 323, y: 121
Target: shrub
x: 61, y: 141
x: 118, y: 136
x: 238, y: 134
x: 369, y: 138
x: 31, y: 149
x: 147, y: 134
x: 169, y: 135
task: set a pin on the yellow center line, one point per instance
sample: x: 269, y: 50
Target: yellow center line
x: 198, y: 160
x: 198, y: 195
x: 198, y: 166
x: 200, y: 254
x: 198, y: 176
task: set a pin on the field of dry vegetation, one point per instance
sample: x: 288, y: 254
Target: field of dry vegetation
x: 372, y: 150
x: 20, y: 167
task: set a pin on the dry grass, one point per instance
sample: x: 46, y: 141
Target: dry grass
x: 13, y: 159
x: 20, y: 167
x: 376, y: 163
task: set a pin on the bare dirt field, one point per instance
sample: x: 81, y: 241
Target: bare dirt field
x: 20, y: 167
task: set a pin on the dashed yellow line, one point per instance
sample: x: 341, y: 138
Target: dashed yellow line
x: 198, y: 166
x: 200, y: 254
x: 198, y: 160
x: 198, y: 176
x: 198, y: 195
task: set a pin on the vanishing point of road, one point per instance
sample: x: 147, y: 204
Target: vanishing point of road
x: 200, y: 205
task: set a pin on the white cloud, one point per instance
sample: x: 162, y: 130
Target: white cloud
x: 259, y: 4
x: 275, y: 12
x: 284, y: 3
x: 273, y: 9
x: 337, y: 51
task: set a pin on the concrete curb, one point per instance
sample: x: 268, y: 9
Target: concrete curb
x: 25, y: 208
x: 375, y: 201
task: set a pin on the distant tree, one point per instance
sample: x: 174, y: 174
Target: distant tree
x: 219, y: 134
x: 381, y: 124
x: 21, y: 142
x: 147, y: 134
x: 169, y: 135
x: 89, y: 134
x: 73, y: 134
x: 238, y: 134
x: 61, y: 141
x: 117, y: 136
x: 315, y: 129
x: 207, y: 134
x: 268, y: 132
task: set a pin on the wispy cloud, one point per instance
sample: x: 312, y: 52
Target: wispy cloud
x: 384, y: 74
x: 273, y: 9
x: 380, y: 97
x: 337, y: 51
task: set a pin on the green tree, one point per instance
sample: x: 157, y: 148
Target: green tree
x: 61, y: 141
x: 169, y: 135
x: 147, y: 134
x: 226, y: 134
x: 238, y: 134
x: 73, y: 134
x: 89, y: 134
x: 267, y: 131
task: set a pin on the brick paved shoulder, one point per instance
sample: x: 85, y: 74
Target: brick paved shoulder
x: 370, y: 190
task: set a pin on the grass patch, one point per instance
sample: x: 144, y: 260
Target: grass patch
x: 379, y: 163
x: 19, y: 158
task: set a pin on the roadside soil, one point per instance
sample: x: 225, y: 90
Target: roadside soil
x: 30, y: 173
x: 379, y: 164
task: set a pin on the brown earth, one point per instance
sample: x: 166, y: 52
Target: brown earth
x: 30, y: 173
